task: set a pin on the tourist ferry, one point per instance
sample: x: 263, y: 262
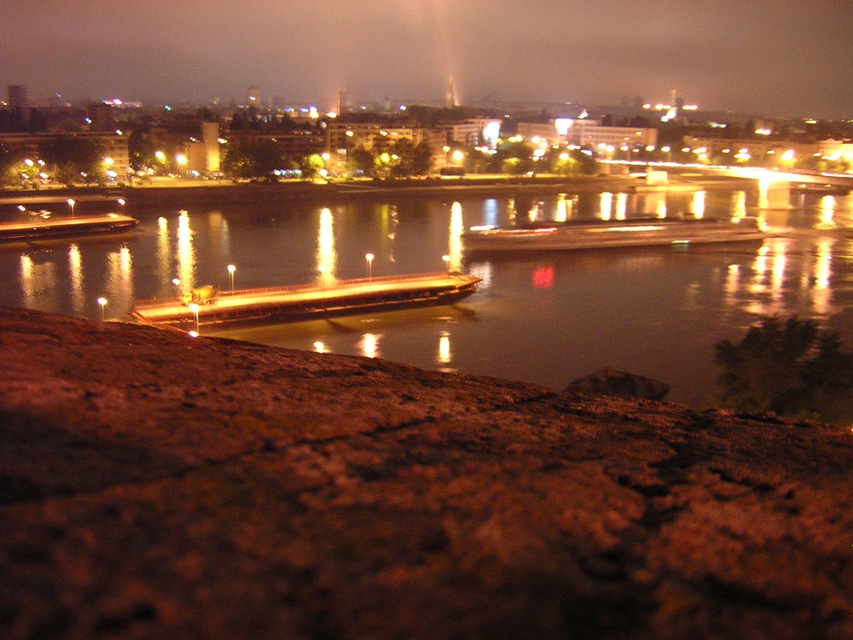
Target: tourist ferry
x: 570, y: 236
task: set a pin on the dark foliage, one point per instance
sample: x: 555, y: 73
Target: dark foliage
x: 790, y: 367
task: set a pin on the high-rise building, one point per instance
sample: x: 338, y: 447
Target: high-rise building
x: 253, y: 96
x: 450, y: 98
x: 18, y: 97
x: 344, y: 101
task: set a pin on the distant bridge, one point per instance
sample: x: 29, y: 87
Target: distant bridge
x: 775, y: 185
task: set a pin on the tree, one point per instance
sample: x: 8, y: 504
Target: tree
x: 311, y: 166
x: 7, y: 163
x: 360, y: 159
x: 73, y: 159
x: 252, y: 159
x: 790, y: 367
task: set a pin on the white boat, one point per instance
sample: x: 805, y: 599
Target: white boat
x: 573, y: 236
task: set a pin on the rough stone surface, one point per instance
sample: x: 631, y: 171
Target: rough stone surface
x: 158, y: 486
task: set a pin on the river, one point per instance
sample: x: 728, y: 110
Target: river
x: 546, y: 319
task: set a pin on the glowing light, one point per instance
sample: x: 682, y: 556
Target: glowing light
x: 327, y: 257
x: 543, y: 277
x: 186, y: 253
x: 739, y: 205
x: 369, y: 345
x: 231, y: 270
x: 698, y: 207
x: 827, y: 211
x: 454, y: 262
x: 621, y: 206
x: 606, y: 205
x: 445, y: 355
x: 102, y: 302
x: 320, y: 347
x: 821, y: 290
x: 75, y: 268
x: 561, y: 214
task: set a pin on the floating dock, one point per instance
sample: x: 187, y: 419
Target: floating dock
x: 249, y: 307
x: 38, y: 228
x: 600, y: 235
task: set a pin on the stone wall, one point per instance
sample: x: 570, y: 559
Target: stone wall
x: 158, y: 486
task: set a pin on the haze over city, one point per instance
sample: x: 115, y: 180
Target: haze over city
x: 784, y: 56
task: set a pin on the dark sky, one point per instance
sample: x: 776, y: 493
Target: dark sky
x: 792, y: 57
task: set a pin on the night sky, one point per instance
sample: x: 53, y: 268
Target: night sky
x: 787, y: 57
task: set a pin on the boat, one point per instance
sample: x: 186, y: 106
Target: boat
x: 644, y: 232
x: 274, y: 305
x: 42, y: 227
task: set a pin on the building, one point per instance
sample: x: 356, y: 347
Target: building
x: 589, y: 134
x: 836, y: 150
x: 253, y: 96
x: 100, y: 116
x: 295, y: 145
x: 18, y: 97
x: 203, y: 155
x: 343, y: 137
x: 475, y: 132
x: 754, y: 151
x: 113, y: 147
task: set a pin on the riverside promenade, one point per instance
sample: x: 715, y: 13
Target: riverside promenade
x: 299, y: 302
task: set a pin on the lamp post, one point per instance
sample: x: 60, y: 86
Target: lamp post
x: 447, y: 263
x: 102, y: 302
x: 181, y: 159
x: 194, y: 309
x: 71, y: 203
x: 369, y: 258
x: 121, y: 203
x: 231, y: 270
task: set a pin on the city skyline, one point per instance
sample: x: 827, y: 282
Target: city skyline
x: 787, y: 56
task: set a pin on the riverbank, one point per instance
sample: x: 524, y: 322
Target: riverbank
x: 171, y: 193
x: 156, y: 485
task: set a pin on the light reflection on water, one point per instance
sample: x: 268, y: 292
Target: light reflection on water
x: 541, y: 318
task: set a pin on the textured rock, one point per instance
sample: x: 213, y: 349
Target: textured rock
x: 154, y: 485
x: 620, y: 383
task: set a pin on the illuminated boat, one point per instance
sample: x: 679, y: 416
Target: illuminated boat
x: 602, y: 235
x: 40, y: 228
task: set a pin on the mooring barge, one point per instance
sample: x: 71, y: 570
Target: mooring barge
x: 271, y: 305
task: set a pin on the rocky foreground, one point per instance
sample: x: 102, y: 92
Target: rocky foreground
x: 159, y: 486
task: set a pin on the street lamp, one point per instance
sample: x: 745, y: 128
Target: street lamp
x: 181, y: 159
x: 231, y: 270
x: 102, y: 302
x: 71, y: 204
x: 369, y: 258
x: 447, y: 263
x: 194, y: 309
